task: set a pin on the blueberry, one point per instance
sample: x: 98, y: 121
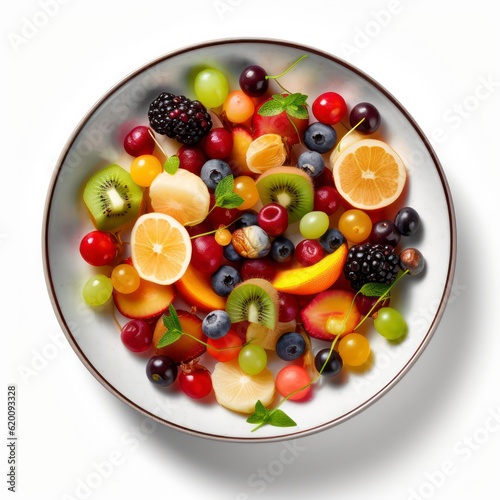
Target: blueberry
x: 248, y: 218
x: 213, y: 171
x: 231, y: 254
x: 312, y: 163
x: 320, y: 137
x: 216, y: 324
x: 282, y: 249
x: 332, y: 240
x: 290, y: 346
x: 224, y: 280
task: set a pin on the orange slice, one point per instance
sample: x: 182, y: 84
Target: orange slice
x: 237, y: 391
x: 312, y: 279
x: 369, y: 174
x: 160, y: 248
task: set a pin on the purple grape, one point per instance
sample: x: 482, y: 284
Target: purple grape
x: 161, y: 370
x: 371, y: 116
x: 385, y: 232
x: 253, y: 81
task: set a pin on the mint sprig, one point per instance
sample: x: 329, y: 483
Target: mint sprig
x: 225, y: 197
x: 292, y: 104
x: 275, y: 417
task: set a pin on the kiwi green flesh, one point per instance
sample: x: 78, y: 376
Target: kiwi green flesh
x: 249, y: 302
x: 292, y: 191
x: 112, y: 198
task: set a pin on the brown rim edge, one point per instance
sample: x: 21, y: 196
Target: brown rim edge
x: 326, y: 425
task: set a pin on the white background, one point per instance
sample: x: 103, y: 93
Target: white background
x: 435, y: 435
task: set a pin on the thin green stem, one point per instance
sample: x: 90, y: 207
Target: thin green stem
x: 275, y: 77
x: 350, y: 131
x: 214, y: 230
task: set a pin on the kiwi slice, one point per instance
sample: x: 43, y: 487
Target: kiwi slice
x: 254, y: 300
x: 288, y: 186
x: 112, y: 198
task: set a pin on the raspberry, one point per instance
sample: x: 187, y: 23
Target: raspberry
x: 179, y: 118
x: 369, y: 263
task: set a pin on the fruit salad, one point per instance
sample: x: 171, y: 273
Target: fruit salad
x: 275, y: 232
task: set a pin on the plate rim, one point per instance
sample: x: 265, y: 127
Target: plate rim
x: 241, y: 439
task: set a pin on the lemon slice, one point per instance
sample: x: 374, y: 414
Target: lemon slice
x: 237, y: 391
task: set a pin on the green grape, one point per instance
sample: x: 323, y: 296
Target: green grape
x: 252, y: 359
x: 97, y: 290
x: 314, y: 224
x: 389, y: 323
x: 211, y: 87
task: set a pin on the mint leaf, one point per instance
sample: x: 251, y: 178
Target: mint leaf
x: 172, y: 164
x: 272, y: 107
x: 169, y: 338
x: 279, y: 418
x: 257, y: 419
x: 173, y: 326
x: 231, y: 201
x: 225, y: 186
x: 296, y: 99
x: 225, y: 197
x: 374, y: 289
x: 171, y: 320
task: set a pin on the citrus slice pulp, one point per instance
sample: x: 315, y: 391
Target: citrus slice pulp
x: 237, y: 391
x: 160, y: 247
x: 369, y: 174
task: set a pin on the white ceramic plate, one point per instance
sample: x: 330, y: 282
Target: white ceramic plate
x: 95, y: 143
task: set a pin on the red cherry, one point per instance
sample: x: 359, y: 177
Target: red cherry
x: 207, y: 254
x: 99, y: 248
x: 309, y: 252
x: 273, y: 218
x: 195, y: 383
x: 137, y: 335
x: 139, y: 141
x: 191, y: 158
x: 218, y: 143
x: 329, y: 108
x: 327, y: 199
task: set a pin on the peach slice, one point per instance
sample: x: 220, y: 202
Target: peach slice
x: 186, y: 348
x: 148, y: 301
x: 195, y: 288
x: 331, y: 308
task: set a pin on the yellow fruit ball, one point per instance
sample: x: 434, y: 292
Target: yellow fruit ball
x: 144, y: 169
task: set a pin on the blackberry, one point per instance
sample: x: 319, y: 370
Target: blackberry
x: 369, y: 263
x: 179, y: 118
